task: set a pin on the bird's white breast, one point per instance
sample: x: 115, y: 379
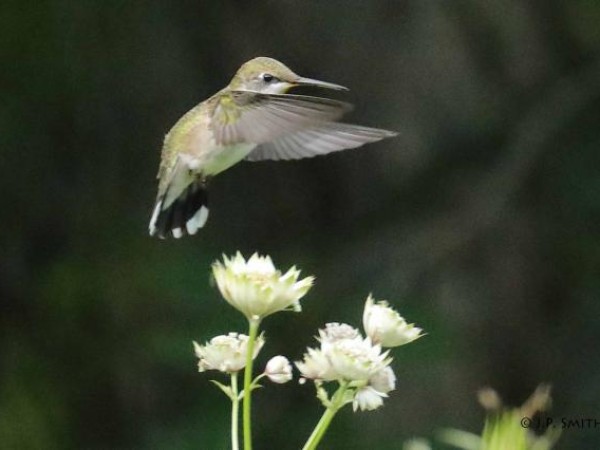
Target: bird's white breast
x: 220, y: 158
x: 209, y: 158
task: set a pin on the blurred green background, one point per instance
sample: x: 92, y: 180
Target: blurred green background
x: 480, y: 222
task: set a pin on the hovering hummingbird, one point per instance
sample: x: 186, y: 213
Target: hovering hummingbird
x: 253, y: 119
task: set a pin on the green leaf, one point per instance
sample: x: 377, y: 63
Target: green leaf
x: 226, y: 389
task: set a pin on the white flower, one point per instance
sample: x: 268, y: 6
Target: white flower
x: 256, y: 288
x: 370, y: 397
x: 226, y: 353
x: 337, y: 331
x: 386, y: 327
x: 344, y: 355
x: 383, y: 381
x: 357, y: 359
x: 316, y: 366
x: 367, y: 399
x: 279, y: 369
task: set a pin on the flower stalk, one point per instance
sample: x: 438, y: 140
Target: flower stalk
x: 235, y: 405
x: 337, y: 402
x: 247, y: 405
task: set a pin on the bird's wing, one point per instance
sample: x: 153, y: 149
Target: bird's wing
x: 245, y: 116
x: 318, y: 140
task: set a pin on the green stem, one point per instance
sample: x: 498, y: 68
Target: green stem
x: 337, y: 401
x: 235, y: 404
x: 252, y: 333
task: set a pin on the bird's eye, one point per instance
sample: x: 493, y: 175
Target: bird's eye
x: 268, y: 78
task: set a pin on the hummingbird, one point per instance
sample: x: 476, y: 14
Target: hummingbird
x: 251, y: 119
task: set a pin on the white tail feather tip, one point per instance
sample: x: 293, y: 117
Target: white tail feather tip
x: 197, y: 221
x: 152, y: 226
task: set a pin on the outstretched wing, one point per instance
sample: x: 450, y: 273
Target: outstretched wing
x: 317, y: 140
x: 245, y: 116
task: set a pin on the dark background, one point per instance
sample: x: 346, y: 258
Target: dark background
x: 479, y: 222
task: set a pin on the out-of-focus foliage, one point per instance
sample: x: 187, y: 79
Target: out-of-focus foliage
x: 480, y: 221
x: 510, y: 428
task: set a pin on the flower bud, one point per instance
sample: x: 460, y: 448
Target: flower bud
x: 279, y: 369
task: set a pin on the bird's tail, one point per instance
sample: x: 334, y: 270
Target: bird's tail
x: 184, y: 215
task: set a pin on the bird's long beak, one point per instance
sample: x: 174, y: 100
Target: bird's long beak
x: 301, y: 81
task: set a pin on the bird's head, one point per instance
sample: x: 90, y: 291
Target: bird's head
x: 269, y: 76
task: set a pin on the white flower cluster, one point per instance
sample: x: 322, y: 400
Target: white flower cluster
x: 360, y: 362
x: 257, y: 289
